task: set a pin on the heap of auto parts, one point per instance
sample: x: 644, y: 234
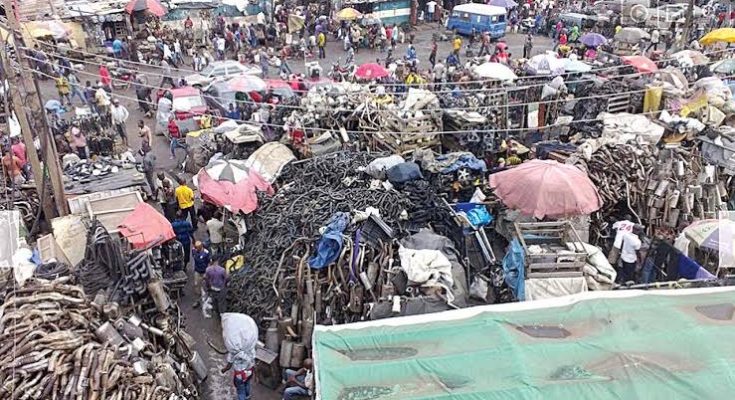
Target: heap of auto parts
x: 311, y: 191
x: 57, y: 344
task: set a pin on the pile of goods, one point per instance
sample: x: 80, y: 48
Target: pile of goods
x: 58, y: 344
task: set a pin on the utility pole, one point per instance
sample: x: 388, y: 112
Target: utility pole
x: 27, y: 101
x: 687, y: 25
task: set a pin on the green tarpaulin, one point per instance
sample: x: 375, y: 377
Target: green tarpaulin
x: 677, y: 344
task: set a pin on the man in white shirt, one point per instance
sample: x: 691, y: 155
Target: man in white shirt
x: 119, y: 115
x: 655, y: 39
x: 629, y: 255
x: 430, y: 9
x: 220, y: 48
x: 214, y: 228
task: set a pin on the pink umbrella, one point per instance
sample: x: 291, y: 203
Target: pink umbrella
x: 145, y: 226
x: 545, y: 188
x: 240, y: 196
x: 371, y: 71
x: 642, y: 64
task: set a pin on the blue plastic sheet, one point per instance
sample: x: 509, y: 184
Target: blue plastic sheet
x: 464, y: 161
x: 477, y: 214
x: 330, y: 244
x: 514, y: 269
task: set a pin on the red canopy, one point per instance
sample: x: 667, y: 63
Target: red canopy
x: 145, y: 225
x: 152, y: 6
x: 643, y: 64
x: 235, y: 196
x: 371, y: 71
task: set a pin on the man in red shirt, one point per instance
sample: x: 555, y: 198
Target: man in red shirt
x: 19, y: 150
x: 176, y: 140
x: 12, y: 167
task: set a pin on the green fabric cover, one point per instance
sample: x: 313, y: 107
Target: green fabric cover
x: 604, y: 345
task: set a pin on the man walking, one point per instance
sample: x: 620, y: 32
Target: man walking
x: 185, y: 198
x: 430, y: 9
x: 149, y: 166
x: 528, y: 46
x: 201, y: 258
x: 629, y: 255
x: 119, y: 116
x: 321, y: 42
x: 184, y: 234
x: 215, y: 282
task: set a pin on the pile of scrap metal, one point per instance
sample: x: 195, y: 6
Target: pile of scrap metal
x: 24, y: 199
x: 58, y: 344
x: 327, y: 244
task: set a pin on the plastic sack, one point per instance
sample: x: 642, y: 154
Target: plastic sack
x: 207, y: 307
x: 240, y: 336
x: 379, y: 166
x: 403, y: 173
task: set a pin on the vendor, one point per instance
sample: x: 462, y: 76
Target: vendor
x: 630, y: 255
x: 300, y: 383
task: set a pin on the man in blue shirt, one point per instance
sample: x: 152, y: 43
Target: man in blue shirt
x: 117, y: 48
x: 201, y: 258
x: 233, y: 113
x: 184, y: 233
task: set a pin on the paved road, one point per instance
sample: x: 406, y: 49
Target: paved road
x: 219, y: 386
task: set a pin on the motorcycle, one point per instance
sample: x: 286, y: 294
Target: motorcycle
x: 122, y: 78
x: 339, y: 73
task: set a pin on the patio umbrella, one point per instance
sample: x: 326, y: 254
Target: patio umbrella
x: 545, y: 188
x: 152, y: 6
x: 631, y: 35
x: 593, y: 39
x: 576, y: 66
x: 545, y: 64
x: 371, y: 71
x: 726, y: 35
x: 227, y: 170
x: 707, y: 233
x: 280, y: 88
x: 642, y: 64
x: 236, y: 197
x: 348, y: 14
x: 726, y: 66
x: 696, y: 56
x: 491, y: 70
x: 503, y: 3
x: 145, y: 226
x: 247, y: 83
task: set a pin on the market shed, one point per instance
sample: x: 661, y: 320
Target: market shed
x: 626, y: 344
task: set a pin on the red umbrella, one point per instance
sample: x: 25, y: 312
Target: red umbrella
x: 236, y: 197
x: 546, y: 189
x: 371, y: 71
x: 152, y: 6
x: 145, y: 225
x: 643, y: 64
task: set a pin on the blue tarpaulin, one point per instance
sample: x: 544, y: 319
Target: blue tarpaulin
x: 330, y: 244
x: 514, y: 269
x: 464, y: 161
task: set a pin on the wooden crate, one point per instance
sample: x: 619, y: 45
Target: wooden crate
x: 559, y: 263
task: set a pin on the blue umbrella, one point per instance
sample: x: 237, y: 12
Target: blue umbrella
x: 593, y: 39
x: 503, y: 3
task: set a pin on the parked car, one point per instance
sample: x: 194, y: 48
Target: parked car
x: 220, y: 70
x: 219, y: 96
x: 187, y: 105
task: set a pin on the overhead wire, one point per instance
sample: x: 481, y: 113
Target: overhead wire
x: 363, y: 132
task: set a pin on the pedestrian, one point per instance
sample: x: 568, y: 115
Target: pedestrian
x: 75, y: 87
x: 105, y: 78
x: 432, y: 54
x: 485, y: 46
x: 220, y: 47
x: 149, y: 167
x: 241, y: 359
x: 146, y: 136
x: 215, y: 229
x: 167, y: 75
x: 166, y: 196
x: 430, y: 9
x: 184, y: 234
x: 263, y: 62
x: 528, y: 46
x: 321, y: 42
x: 655, y: 39
x: 185, y: 199
x: 62, y: 86
x: 300, y: 382
x: 13, y: 167
x: 178, y: 56
x: 457, y: 44
x: 119, y: 116
x: 215, y: 283
x: 630, y: 255
x: 78, y: 141
x: 175, y: 137
x: 233, y: 113
x: 102, y: 99
x: 117, y: 48
x: 19, y: 150
x: 201, y: 258
x: 89, y: 97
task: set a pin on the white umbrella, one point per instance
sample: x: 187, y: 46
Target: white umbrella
x: 545, y: 64
x: 576, y: 66
x: 227, y: 170
x: 497, y: 71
